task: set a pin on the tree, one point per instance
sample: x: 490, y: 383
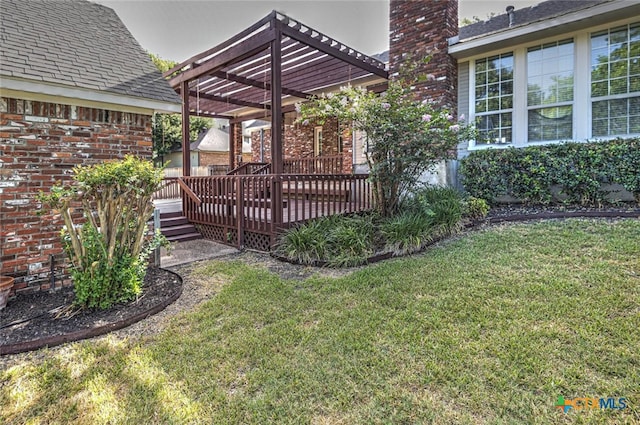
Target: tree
x: 107, y: 245
x: 406, y: 136
x: 167, y: 128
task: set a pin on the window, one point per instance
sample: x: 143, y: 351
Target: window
x: 615, y: 81
x: 550, y: 91
x: 494, y: 98
x: 317, y: 141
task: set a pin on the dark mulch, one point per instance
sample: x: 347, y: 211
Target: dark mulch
x: 516, y: 211
x: 28, y: 320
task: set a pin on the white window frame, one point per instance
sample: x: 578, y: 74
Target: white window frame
x: 609, y: 97
x: 472, y: 99
x: 556, y: 104
x: 581, y: 89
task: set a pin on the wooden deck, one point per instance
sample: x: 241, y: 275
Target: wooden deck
x: 268, y: 204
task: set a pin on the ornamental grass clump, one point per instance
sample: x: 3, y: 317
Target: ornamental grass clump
x: 107, y: 244
x: 336, y: 241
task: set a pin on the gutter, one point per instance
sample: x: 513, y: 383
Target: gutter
x: 554, y: 25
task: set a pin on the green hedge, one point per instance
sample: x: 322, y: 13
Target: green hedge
x: 578, y: 169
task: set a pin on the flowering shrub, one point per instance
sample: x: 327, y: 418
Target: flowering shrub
x: 109, y: 249
x: 406, y: 137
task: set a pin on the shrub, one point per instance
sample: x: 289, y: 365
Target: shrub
x: 530, y: 174
x: 475, y: 208
x: 108, y: 249
x: 444, y: 206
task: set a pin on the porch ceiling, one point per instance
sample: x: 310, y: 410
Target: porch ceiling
x: 234, y: 78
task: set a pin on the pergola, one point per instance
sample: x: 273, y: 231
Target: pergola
x: 261, y: 72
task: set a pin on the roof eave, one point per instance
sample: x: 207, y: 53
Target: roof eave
x: 573, y: 21
x: 74, y: 92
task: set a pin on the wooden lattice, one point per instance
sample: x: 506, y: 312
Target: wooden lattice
x: 226, y: 235
x: 257, y: 241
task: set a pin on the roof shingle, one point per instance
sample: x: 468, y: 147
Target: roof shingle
x: 77, y: 43
x: 544, y: 10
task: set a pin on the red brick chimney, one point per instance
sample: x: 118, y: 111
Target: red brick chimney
x: 419, y: 28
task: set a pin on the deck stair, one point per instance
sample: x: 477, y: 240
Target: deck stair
x: 176, y: 228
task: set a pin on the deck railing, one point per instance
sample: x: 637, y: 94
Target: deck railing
x: 234, y: 206
x: 169, y: 189
x: 329, y: 164
x: 249, y: 168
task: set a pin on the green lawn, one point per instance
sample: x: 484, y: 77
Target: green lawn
x: 489, y: 328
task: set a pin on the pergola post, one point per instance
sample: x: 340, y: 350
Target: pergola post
x: 277, y: 159
x: 186, y: 151
x: 186, y: 146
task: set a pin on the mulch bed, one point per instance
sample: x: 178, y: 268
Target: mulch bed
x: 37, y: 320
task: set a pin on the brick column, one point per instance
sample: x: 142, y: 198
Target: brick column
x: 237, y: 137
x: 422, y: 28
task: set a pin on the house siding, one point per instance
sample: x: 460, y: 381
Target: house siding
x: 40, y: 143
x: 463, y: 100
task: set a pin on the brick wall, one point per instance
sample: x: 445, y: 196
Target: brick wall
x: 299, y: 139
x: 40, y: 143
x: 422, y: 28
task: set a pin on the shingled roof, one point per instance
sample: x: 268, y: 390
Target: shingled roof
x: 79, y: 44
x: 527, y: 15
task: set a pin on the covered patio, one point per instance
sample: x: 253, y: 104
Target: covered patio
x: 260, y: 74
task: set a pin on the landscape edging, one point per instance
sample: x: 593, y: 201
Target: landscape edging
x: 53, y: 341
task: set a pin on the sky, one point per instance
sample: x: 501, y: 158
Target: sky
x: 177, y: 30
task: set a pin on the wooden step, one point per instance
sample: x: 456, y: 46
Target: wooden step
x: 184, y: 237
x: 173, y: 221
x: 176, y: 228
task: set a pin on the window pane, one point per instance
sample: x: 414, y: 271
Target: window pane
x: 634, y: 125
x: 550, y: 81
x: 494, y: 94
x: 615, y: 117
x: 548, y: 124
x: 494, y: 129
x: 615, y: 80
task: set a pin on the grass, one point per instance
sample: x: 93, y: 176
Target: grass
x: 489, y: 328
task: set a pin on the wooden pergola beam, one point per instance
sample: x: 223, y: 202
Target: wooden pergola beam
x: 192, y: 60
x: 259, y: 84
x: 234, y: 54
x: 261, y: 115
x: 227, y: 99
x: 326, y: 46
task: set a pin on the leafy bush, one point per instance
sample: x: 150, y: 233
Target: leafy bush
x: 475, y: 208
x: 530, y: 174
x: 108, y: 248
x: 406, y: 136
x: 444, y: 206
